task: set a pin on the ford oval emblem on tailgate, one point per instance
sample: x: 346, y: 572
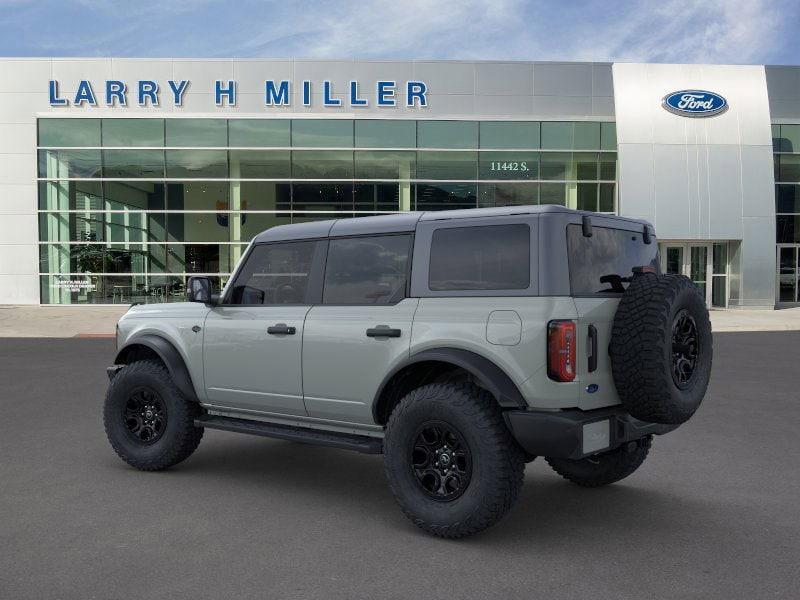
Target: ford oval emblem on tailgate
x: 695, y: 103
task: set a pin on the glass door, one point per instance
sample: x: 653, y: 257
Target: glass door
x: 699, y: 267
x: 787, y: 275
x: 673, y: 259
x: 693, y: 261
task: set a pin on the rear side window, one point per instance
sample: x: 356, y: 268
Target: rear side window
x: 488, y: 257
x: 601, y: 264
x: 367, y: 270
x: 274, y: 274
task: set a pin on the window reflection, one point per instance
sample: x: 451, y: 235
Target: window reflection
x: 132, y: 164
x: 260, y: 133
x: 322, y: 133
x: 447, y: 134
x: 67, y: 164
x: 383, y: 133
x: 447, y: 165
x: 446, y: 196
x: 65, y: 133
x: 133, y: 132
x: 508, y: 194
x: 322, y: 164
x: 385, y: 165
x: 509, y: 134
x: 197, y: 133
x: 197, y: 164
x: 171, y: 196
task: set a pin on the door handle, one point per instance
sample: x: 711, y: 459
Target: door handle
x: 383, y: 331
x: 592, y: 348
x: 281, y: 329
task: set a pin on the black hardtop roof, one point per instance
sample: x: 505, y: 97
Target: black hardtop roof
x: 405, y: 222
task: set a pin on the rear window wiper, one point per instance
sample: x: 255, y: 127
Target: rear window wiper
x: 616, y: 282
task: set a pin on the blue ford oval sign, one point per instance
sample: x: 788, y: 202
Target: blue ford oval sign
x: 695, y: 103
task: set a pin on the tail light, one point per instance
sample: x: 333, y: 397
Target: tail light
x: 561, y: 350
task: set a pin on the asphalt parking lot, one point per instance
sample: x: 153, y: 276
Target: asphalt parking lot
x: 713, y: 513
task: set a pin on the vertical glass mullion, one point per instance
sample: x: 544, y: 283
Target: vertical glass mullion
x: 104, y: 218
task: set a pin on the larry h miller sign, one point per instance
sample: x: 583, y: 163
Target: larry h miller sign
x: 276, y: 93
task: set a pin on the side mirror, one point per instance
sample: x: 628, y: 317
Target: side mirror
x: 198, y: 289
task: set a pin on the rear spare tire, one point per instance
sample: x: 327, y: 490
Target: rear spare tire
x: 661, y: 348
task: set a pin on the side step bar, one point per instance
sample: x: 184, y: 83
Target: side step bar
x: 345, y: 441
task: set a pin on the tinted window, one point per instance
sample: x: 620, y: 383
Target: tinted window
x: 366, y: 270
x: 598, y: 263
x: 274, y: 274
x: 385, y: 134
x: 197, y: 163
x: 493, y: 257
x: 322, y: 133
x: 133, y: 163
x: 509, y: 134
x: 62, y: 133
x: 197, y: 132
x: 63, y: 164
x: 258, y: 132
x: 133, y: 132
x: 447, y: 134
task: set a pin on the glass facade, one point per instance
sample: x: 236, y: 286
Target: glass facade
x: 128, y: 208
x: 786, y: 148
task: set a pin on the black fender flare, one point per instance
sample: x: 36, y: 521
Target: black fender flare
x: 171, y: 358
x: 493, y: 378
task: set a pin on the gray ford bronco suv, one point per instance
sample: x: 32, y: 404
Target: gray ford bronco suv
x: 459, y: 344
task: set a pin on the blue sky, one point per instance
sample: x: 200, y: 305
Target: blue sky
x: 713, y: 31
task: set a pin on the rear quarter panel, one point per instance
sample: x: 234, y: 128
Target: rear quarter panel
x: 462, y: 323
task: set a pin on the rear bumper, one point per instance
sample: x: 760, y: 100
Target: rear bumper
x: 576, y: 434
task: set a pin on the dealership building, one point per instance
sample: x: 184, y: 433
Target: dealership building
x: 120, y: 178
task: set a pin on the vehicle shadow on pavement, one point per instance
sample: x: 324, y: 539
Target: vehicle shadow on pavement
x: 550, y: 513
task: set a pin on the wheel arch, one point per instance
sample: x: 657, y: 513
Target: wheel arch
x: 426, y: 366
x: 154, y: 346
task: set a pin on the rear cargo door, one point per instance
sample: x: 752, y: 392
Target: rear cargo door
x: 600, y: 266
x: 595, y: 318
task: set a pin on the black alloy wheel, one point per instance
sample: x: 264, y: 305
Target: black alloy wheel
x: 145, y: 416
x: 441, y: 461
x: 685, y: 346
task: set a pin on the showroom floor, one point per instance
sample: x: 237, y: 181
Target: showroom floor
x: 713, y: 512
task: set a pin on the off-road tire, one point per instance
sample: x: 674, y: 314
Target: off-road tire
x: 642, y: 348
x: 179, y: 437
x: 498, y: 463
x: 606, y: 468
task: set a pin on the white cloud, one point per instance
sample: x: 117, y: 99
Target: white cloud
x: 410, y: 28
x: 715, y: 31
x: 735, y: 31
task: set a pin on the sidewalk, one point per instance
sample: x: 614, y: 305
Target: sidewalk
x: 785, y: 319
x: 59, y: 321
x: 90, y: 321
